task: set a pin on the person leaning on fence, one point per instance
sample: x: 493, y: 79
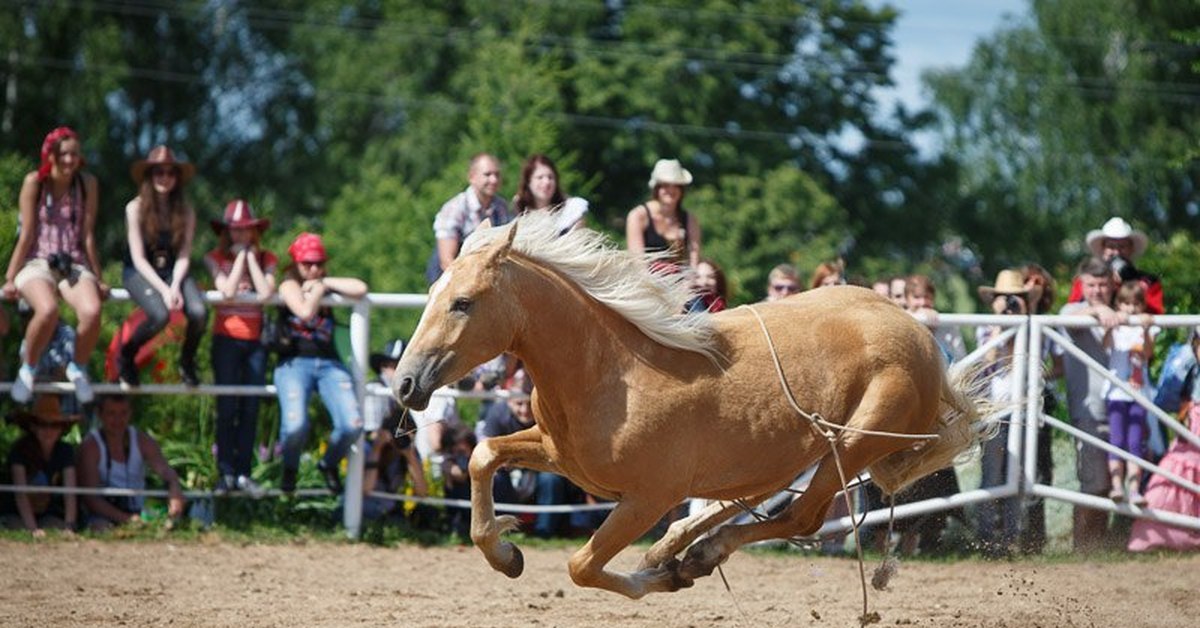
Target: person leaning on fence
x: 41, y: 458
x: 240, y: 267
x: 312, y: 363
x: 465, y: 211
x: 160, y: 225
x: 1131, y: 349
x: 999, y: 521
x: 55, y: 255
x: 1085, y: 396
x: 116, y: 454
x: 920, y: 296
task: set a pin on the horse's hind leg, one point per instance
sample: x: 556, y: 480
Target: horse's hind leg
x: 632, y: 517
x: 681, y: 533
x: 523, y: 449
x: 802, y: 517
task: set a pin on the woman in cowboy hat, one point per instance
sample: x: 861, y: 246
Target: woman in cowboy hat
x: 160, y: 225
x: 55, y: 255
x: 240, y: 268
x: 312, y: 362
x: 661, y: 224
x: 41, y: 458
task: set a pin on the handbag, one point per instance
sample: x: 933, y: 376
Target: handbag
x: 275, y: 336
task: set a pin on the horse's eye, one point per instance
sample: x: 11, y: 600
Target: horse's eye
x: 461, y: 304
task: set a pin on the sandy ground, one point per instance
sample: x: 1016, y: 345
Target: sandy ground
x: 137, y: 583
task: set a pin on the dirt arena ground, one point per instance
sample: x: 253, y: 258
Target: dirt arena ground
x: 157, y: 583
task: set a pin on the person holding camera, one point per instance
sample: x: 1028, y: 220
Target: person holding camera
x: 1118, y: 244
x: 160, y: 225
x: 55, y: 255
x: 999, y: 520
x: 239, y: 266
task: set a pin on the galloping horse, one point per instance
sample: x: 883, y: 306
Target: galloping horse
x: 638, y: 403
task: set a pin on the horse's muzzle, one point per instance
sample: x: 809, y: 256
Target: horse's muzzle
x: 410, y: 395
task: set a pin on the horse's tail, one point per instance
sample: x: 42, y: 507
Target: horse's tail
x: 960, y: 427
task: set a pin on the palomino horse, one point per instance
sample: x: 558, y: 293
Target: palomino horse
x: 638, y: 403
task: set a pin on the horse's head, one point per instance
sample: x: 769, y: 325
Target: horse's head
x: 468, y: 320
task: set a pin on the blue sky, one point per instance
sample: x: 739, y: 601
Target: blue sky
x: 940, y: 33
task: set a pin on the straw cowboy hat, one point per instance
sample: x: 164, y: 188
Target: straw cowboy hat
x: 161, y: 156
x: 45, y: 411
x: 239, y: 215
x: 1116, y: 229
x: 670, y: 172
x: 1010, y: 282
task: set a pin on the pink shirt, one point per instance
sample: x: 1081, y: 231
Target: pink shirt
x: 60, y: 223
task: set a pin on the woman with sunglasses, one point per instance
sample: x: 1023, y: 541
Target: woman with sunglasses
x: 312, y: 363
x: 160, y: 225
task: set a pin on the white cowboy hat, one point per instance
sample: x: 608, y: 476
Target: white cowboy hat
x: 671, y: 172
x: 1116, y: 229
x: 1010, y: 282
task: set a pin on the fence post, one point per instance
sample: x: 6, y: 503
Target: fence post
x: 352, y: 498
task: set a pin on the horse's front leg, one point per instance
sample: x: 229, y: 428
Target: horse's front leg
x: 681, y: 533
x: 633, y: 516
x: 523, y: 449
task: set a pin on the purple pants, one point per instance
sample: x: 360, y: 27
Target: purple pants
x: 1126, y: 427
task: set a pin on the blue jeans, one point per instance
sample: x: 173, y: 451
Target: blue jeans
x: 237, y: 362
x: 295, y: 379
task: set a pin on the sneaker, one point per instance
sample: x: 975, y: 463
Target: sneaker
x: 127, y: 372
x: 287, y: 483
x: 225, y: 484
x: 333, y: 482
x: 250, y: 487
x: 83, y: 388
x: 22, y: 388
x: 187, y: 374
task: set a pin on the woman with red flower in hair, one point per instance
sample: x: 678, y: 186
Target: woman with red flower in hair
x: 55, y: 255
x: 310, y: 362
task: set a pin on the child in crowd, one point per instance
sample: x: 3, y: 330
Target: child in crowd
x: 1130, y: 347
x: 41, y: 458
x: 712, y: 292
x: 239, y: 268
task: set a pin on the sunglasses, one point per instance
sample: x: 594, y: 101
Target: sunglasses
x: 163, y: 172
x: 784, y: 287
x: 319, y: 264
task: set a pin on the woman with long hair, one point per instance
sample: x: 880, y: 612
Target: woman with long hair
x: 661, y: 223
x: 55, y: 255
x: 240, y: 267
x: 160, y: 225
x: 539, y: 189
x: 312, y: 363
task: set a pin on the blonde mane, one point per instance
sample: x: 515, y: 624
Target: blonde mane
x: 620, y: 280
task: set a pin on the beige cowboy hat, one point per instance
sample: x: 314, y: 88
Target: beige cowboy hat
x: 671, y: 172
x: 161, y: 156
x: 46, y: 411
x: 1116, y: 229
x: 1010, y: 282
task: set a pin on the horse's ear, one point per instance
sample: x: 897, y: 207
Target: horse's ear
x: 501, y: 251
x: 486, y: 224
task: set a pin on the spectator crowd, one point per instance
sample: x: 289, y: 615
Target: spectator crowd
x: 55, y: 259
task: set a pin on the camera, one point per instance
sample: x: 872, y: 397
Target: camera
x: 1123, y: 268
x: 1013, y: 305
x: 60, y: 264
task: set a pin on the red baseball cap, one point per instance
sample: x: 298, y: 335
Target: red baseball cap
x: 307, y: 247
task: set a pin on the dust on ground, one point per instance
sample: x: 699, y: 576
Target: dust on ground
x: 91, y: 582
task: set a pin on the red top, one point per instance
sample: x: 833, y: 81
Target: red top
x: 242, y: 321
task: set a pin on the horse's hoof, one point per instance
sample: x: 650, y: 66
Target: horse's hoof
x: 678, y: 580
x: 699, y: 561
x: 516, y: 565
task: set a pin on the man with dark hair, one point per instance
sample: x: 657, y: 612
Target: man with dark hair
x: 1085, y: 395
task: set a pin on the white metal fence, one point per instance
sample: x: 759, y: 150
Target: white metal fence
x: 1028, y: 335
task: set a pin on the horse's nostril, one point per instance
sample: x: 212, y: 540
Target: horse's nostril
x: 404, y: 387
